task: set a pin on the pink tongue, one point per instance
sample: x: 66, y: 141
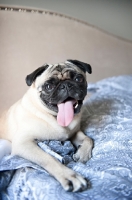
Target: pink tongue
x: 65, y: 114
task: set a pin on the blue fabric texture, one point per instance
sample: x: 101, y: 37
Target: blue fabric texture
x: 107, y: 119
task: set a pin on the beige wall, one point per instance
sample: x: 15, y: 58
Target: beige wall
x: 113, y: 16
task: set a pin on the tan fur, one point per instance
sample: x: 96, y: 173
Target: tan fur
x: 29, y: 119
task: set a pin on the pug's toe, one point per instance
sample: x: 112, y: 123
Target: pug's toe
x: 73, y: 182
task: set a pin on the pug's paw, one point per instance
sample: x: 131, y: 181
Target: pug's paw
x: 84, y: 152
x: 72, y: 182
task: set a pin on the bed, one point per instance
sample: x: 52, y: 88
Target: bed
x: 107, y: 119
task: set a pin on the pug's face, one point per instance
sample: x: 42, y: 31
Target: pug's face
x: 61, y: 87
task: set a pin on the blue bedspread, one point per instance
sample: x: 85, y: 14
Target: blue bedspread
x: 107, y: 119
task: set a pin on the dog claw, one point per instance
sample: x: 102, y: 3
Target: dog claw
x: 70, y: 189
x: 75, y: 158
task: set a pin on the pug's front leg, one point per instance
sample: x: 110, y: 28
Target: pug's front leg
x: 84, y: 147
x: 70, y: 180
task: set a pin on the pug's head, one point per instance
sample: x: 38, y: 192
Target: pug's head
x: 61, y: 88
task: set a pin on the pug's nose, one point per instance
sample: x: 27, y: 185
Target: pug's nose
x: 63, y: 86
x: 69, y: 85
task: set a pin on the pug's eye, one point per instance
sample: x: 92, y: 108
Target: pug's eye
x: 49, y: 87
x: 79, y: 79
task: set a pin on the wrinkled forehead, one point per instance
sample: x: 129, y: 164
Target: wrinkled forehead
x: 60, y: 71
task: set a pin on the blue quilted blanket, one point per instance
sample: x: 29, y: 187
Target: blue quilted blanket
x: 107, y: 119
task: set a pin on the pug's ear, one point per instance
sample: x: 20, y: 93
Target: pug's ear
x: 31, y: 77
x: 83, y: 66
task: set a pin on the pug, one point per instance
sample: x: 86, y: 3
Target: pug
x: 51, y: 110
